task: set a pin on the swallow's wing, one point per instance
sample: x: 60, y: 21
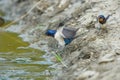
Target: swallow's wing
x: 69, y: 32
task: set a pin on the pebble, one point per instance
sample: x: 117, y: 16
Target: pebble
x: 107, y: 58
x: 88, y: 75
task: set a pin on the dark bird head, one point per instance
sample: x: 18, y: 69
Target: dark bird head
x: 50, y: 33
x: 102, y: 19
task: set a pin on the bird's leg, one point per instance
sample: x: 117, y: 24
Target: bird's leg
x: 104, y: 29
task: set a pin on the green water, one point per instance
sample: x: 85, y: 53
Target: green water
x: 19, y: 62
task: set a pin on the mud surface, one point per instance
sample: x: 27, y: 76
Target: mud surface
x: 94, y: 55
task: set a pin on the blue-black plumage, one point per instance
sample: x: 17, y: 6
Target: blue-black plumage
x: 51, y: 32
x: 68, y: 40
x: 64, y: 36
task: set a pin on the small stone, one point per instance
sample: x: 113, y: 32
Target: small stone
x: 107, y: 58
x: 117, y: 51
x: 2, y: 59
x: 88, y: 75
